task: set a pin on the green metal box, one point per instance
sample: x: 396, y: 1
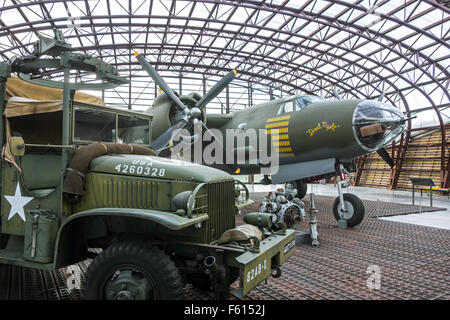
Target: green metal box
x: 41, y: 228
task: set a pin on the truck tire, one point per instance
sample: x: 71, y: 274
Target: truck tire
x: 355, y: 210
x: 132, y: 271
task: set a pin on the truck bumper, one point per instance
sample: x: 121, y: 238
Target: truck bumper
x: 256, y: 267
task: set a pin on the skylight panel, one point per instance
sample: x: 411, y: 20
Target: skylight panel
x: 12, y: 18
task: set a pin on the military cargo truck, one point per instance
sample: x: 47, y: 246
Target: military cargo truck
x: 76, y: 175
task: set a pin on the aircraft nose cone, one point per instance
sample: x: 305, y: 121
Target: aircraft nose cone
x: 375, y: 124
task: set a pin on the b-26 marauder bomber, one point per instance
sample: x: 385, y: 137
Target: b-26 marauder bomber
x: 312, y: 138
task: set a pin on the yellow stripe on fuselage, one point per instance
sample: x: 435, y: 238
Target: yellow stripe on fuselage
x: 281, y: 143
x: 279, y: 118
x: 277, y: 124
x: 280, y: 137
x: 277, y: 131
x: 286, y: 154
x: 288, y: 149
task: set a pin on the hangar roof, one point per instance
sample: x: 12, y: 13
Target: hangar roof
x: 362, y: 48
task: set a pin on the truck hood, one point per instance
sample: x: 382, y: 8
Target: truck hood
x: 156, y: 168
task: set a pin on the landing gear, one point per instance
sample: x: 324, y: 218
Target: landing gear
x: 302, y: 188
x: 266, y: 180
x: 347, y: 207
x: 354, y: 212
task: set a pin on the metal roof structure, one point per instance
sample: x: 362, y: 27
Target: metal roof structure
x: 362, y: 48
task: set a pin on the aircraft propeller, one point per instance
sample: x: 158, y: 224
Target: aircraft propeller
x: 189, y: 114
x: 386, y: 157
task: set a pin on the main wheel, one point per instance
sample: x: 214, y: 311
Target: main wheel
x: 302, y: 188
x: 132, y: 271
x: 355, y: 209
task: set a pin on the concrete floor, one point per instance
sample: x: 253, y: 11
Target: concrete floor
x: 438, y: 219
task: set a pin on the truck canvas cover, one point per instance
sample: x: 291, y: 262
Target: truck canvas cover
x: 16, y: 87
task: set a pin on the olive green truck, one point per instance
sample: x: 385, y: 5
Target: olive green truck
x: 76, y: 175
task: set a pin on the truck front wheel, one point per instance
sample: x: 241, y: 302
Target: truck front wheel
x: 132, y: 271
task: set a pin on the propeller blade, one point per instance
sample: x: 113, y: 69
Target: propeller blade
x: 158, y: 80
x: 386, y: 157
x: 216, y: 89
x: 163, y: 140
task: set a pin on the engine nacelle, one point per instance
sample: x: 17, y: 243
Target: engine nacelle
x: 166, y: 113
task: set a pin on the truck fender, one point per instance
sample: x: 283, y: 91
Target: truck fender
x: 72, y: 239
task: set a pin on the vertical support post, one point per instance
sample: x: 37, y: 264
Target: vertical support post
x: 401, y: 153
x: 446, y: 177
x: 431, y: 196
x: 313, y: 221
x: 129, y: 75
x: 228, y: 100
x: 66, y: 117
x: 65, y: 122
x: 5, y: 73
x: 2, y: 110
x: 129, y: 94
x: 204, y: 84
x: 180, y: 84
x: 359, y: 168
x: 250, y: 95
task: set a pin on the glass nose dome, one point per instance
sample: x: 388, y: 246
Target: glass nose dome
x: 375, y: 124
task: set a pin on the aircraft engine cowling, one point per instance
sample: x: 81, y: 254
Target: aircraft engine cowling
x: 165, y: 113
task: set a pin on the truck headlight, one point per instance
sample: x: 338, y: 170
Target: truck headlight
x: 181, y: 200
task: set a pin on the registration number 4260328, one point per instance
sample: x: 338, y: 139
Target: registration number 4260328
x: 141, y: 170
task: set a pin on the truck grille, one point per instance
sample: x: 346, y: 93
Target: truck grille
x: 220, y: 209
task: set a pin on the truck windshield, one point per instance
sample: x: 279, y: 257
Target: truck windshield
x: 92, y: 125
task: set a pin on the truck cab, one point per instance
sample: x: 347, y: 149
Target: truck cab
x: 77, y: 176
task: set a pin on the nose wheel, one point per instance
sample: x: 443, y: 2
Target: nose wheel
x: 354, y: 209
x: 347, y: 207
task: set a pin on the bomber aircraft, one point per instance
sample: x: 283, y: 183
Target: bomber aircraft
x: 315, y: 138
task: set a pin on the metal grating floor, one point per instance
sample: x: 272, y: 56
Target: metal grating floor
x: 414, y: 263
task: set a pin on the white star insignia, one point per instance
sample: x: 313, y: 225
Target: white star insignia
x: 17, y: 203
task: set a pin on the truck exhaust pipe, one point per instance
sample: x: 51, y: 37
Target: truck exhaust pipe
x: 211, y: 265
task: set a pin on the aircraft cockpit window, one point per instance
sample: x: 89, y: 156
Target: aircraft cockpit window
x: 289, y: 107
x: 304, y: 101
x: 286, y: 107
x: 299, y: 104
x: 281, y: 109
